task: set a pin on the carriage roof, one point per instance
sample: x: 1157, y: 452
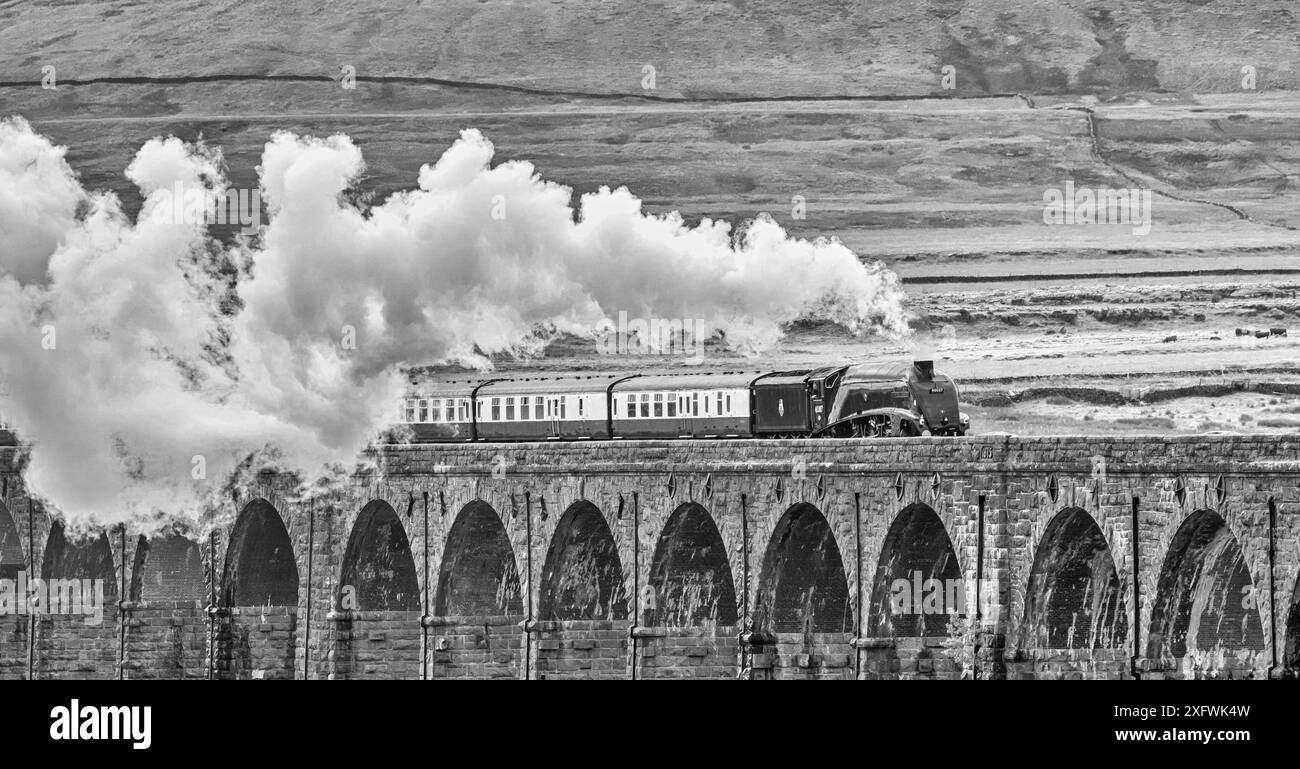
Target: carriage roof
x: 554, y: 385
x: 705, y: 380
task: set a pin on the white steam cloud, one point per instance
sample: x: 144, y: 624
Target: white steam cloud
x: 134, y: 355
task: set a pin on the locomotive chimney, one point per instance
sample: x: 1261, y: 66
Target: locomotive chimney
x: 924, y: 370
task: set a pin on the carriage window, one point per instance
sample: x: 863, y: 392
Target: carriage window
x: 672, y: 404
x: 659, y: 404
x: 708, y: 409
x: 580, y: 404
x: 424, y: 410
x: 435, y: 410
x: 496, y: 409
x: 410, y: 409
x: 728, y: 404
x: 462, y: 406
x: 538, y: 406
x: 510, y: 409
x: 719, y: 402
x: 645, y: 404
x: 631, y: 405
x: 449, y: 410
x: 564, y: 403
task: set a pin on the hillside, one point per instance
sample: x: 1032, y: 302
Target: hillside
x: 759, y: 103
x: 709, y: 48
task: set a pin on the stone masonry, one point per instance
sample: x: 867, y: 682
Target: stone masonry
x: 990, y: 556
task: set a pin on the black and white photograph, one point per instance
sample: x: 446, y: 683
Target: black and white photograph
x: 672, y: 340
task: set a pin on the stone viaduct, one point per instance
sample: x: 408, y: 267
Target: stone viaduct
x: 989, y: 556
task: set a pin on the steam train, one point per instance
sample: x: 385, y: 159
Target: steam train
x: 852, y: 401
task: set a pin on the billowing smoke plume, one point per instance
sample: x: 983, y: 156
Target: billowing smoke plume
x: 144, y: 360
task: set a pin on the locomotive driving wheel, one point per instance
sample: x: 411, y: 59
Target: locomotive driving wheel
x: 886, y: 423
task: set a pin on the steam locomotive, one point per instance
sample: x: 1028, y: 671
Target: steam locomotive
x: 853, y: 401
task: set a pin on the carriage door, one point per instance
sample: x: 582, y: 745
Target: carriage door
x: 555, y: 413
x: 673, y: 408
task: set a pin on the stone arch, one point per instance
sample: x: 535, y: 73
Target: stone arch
x: 918, y: 581
x: 260, y: 565
x: 75, y: 569
x: 167, y: 631
x: 12, y: 557
x: 256, y: 637
x: 478, y: 576
x: 690, y: 574
x: 803, y: 587
x: 583, y: 575
x: 1075, y: 597
x: 167, y: 567
x: 1291, y: 652
x: 89, y: 558
x: 1205, y: 599
x: 377, y: 563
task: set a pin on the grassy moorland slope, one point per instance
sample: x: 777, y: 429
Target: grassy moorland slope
x: 698, y: 47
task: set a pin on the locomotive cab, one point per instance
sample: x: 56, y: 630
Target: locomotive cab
x: 895, y: 400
